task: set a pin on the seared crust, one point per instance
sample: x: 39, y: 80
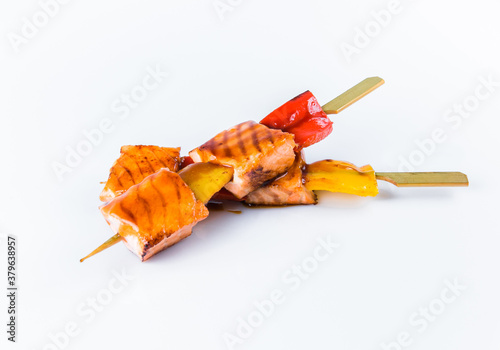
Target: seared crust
x: 256, y: 152
x: 153, y: 215
x: 135, y: 164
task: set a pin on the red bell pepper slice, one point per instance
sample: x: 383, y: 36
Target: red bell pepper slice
x: 225, y: 195
x: 303, y: 117
x: 185, y: 161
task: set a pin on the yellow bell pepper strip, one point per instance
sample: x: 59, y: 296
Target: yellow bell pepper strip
x: 206, y: 179
x: 338, y: 176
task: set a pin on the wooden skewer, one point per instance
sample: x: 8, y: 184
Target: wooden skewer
x: 352, y: 95
x: 399, y: 179
x: 425, y: 179
x: 109, y: 243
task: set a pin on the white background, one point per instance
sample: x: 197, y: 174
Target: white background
x: 396, y: 250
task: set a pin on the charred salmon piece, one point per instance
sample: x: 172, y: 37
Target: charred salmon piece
x: 256, y: 153
x: 155, y: 214
x: 286, y: 190
x: 135, y: 164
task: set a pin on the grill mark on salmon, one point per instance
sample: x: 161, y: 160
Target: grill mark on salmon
x: 179, y: 196
x: 135, y: 164
x: 154, y: 214
x: 209, y: 145
x: 146, y: 206
x: 255, y: 141
x: 127, y: 170
x: 172, y: 160
x: 118, y: 178
x: 162, y: 199
x: 151, y: 168
x: 227, y: 150
x: 159, y: 158
x: 241, y: 144
x: 256, y: 153
x: 270, y: 136
x: 127, y: 212
x: 276, y: 196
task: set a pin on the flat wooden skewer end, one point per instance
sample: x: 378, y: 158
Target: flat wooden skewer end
x: 425, y: 179
x: 352, y: 95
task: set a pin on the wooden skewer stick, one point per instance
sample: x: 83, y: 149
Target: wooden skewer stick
x: 109, y: 243
x: 425, y: 179
x: 400, y: 179
x: 352, y: 95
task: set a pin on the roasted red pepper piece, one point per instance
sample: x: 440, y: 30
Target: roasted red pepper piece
x: 185, y: 161
x: 303, y: 117
x: 225, y: 195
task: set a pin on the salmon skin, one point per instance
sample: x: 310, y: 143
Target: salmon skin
x: 288, y: 189
x: 155, y: 214
x: 256, y: 153
x: 135, y: 164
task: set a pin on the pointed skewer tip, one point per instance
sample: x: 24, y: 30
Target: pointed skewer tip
x: 109, y: 243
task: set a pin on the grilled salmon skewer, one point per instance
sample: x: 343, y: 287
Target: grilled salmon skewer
x: 150, y: 207
x: 162, y: 209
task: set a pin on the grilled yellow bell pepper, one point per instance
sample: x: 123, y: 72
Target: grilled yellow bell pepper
x: 206, y: 179
x: 338, y: 176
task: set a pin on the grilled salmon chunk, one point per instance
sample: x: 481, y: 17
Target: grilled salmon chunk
x: 155, y: 214
x: 136, y: 163
x: 256, y: 153
x: 287, y: 189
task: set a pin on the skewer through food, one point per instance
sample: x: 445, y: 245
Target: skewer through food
x: 153, y: 197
